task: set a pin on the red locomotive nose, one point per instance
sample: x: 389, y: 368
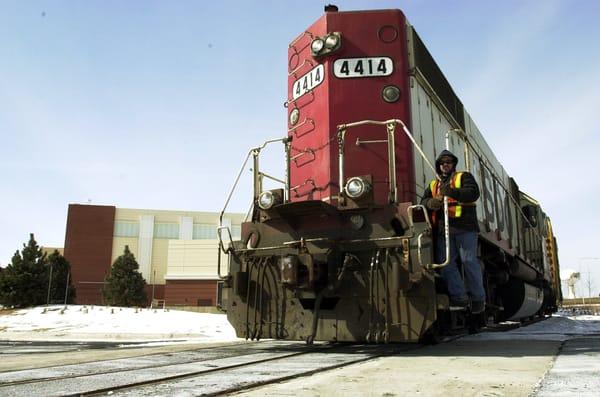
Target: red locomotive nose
x: 348, y: 66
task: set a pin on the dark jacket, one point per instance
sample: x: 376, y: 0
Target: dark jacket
x: 467, y: 193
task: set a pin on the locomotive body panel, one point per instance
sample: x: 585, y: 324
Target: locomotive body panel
x: 499, y: 209
x: 307, y: 92
x: 355, y: 75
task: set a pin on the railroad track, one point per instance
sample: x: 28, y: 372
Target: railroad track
x: 207, y: 371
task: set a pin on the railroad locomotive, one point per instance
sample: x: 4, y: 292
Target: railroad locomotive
x: 343, y: 252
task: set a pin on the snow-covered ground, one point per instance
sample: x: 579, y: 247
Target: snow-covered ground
x: 561, y: 326
x: 102, y: 323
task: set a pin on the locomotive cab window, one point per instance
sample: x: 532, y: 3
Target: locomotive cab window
x: 531, y: 213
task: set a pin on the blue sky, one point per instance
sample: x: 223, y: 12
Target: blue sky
x: 154, y: 104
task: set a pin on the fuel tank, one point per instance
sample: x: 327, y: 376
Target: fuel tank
x: 520, y: 299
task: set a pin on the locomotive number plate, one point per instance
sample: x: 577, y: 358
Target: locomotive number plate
x: 308, y: 82
x: 363, y: 67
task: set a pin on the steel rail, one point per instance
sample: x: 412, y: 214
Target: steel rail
x: 275, y: 354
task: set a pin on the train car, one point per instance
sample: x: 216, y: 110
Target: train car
x: 343, y: 251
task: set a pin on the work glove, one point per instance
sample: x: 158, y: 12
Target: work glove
x: 446, y: 190
x: 433, y: 204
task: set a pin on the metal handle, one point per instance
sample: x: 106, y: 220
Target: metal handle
x: 304, y: 152
x: 410, y: 211
x: 391, y: 129
x: 446, y: 220
x: 307, y: 120
x: 306, y: 61
x: 446, y: 237
x: 419, y: 246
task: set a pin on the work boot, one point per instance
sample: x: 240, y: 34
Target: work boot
x: 458, y: 304
x: 477, y: 307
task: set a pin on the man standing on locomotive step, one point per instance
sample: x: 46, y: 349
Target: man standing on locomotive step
x: 462, y: 191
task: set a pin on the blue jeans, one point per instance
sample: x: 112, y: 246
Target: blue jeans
x: 462, y: 243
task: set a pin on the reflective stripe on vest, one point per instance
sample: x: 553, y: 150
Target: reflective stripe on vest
x: 454, y: 207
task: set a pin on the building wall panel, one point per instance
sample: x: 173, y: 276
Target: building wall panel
x: 190, y: 292
x: 88, y: 246
x: 160, y: 258
x: 119, y: 244
x: 192, y: 259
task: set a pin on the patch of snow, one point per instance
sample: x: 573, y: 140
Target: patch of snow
x: 559, y: 327
x: 105, y: 323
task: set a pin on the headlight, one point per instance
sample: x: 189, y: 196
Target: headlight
x: 294, y: 116
x: 269, y: 198
x: 332, y: 40
x: 266, y: 200
x: 325, y: 45
x: 316, y: 46
x: 357, y: 187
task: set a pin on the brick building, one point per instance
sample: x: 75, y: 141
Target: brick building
x: 176, y: 250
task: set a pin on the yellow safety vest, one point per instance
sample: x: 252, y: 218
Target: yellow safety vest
x: 454, y: 207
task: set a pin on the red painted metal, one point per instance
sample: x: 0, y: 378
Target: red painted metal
x: 314, y: 171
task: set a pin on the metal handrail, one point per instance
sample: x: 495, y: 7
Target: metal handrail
x: 390, y: 125
x: 487, y: 164
x: 446, y: 220
x: 257, y: 186
x: 262, y: 174
x: 410, y: 211
x: 221, y: 247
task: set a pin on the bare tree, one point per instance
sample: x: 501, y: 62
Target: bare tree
x: 589, y: 282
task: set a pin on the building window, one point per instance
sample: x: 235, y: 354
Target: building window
x: 204, y: 231
x: 166, y: 230
x: 236, y: 232
x: 127, y: 229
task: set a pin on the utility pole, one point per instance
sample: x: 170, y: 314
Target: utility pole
x: 153, y: 284
x: 49, y: 286
x: 67, y: 289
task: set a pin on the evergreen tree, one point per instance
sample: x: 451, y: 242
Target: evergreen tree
x: 24, y: 281
x: 60, y: 269
x: 124, y: 285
